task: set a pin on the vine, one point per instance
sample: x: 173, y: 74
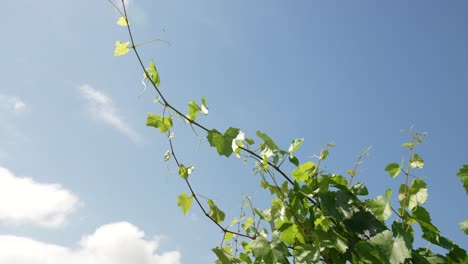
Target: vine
x: 315, y: 216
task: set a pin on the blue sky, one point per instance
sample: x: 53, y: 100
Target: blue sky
x: 81, y: 171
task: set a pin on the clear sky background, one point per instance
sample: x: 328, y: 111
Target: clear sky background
x: 82, y: 179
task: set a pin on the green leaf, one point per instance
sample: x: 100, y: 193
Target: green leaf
x: 307, y: 253
x: 224, y: 257
x: 324, y: 154
x: 463, y: 175
x: 464, y: 226
x: 193, y: 110
x: 294, y: 160
x: 359, y: 189
x: 167, y: 155
x: 408, y: 144
x: 260, y: 247
x: 248, y: 223
x: 163, y: 123
x: 393, y: 169
x: 295, y: 144
x: 421, y: 215
x: 379, y: 207
x: 223, y: 143
x: 215, y: 212
x: 351, y: 172
x: 153, y: 74
x: 304, y: 172
x: 268, y: 147
x: 184, y: 172
x: 416, y: 162
x: 121, y: 48
x: 396, y: 250
x: 417, y: 194
x: 185, y: 202
x: 204, y: 107
x: 424, y: 256
x: 122, y: 21
x: 228, y: 236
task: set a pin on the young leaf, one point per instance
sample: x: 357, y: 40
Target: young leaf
x: 295, y: 144
x: 204, y: 108
x: 408, y: 144
x: 416, y: 162
x: 304, y: 172
x: 215, y: 213
x: 183, y: 171
x: 167, y: 155
x: 324, y: 154
x: 417, y: 194
x: 193, y: 110
x: 463, y: 175
x: 153, y: 74
x: 379, y: 207
x: 121, y: 48
x: 224, y: 257
x: 122, y: 21
x: 393, y: 169
x: 222, y: 142
x: 464, y: 226
x: 185, y: 202
x: 163, y: 123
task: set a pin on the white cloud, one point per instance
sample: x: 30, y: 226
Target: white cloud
x: 11, y: 104
x: 24, y: 201
x: 116, y: 243
x: 101, y: 107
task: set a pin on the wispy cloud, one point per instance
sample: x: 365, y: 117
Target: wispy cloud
x: 25, y: 201
x: 11, y: 104
x: 116, y: 243
x: 101, y: 107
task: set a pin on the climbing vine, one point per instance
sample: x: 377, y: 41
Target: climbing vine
x: 315, y: 216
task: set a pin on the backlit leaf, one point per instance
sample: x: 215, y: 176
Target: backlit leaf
x: 163, y: 123
x: 185, y: 202
x: 121, y: 48
x: 416, y: 162
x: 463, y: 175
x: 393, y: 169
x: 222, y: 142
x: 215, y: 212
x: 303, y: 172
x: 122, y: 21
x: 153, y: 74
x: 379, y: 207
x: 464, y: 226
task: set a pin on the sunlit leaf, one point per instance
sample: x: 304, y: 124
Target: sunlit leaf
x: 215, y: 213
x: 296, y: 143
x: 379, y: 207
x: 122, y: 21
x: 463, y: 175
x: 303, y: 172
x: 163, y: 123
x: 224, y: 257
x: 416, y: 162
x: 167, y: 155
x: 222, y: 142
x: 393, y: 169
x: 408, y: 144
x: 153, y: 74
x: 121, y: 48
x: 193, y: 110
x: 185, y: 202
x: 464, y: 226
x: 204, y: 107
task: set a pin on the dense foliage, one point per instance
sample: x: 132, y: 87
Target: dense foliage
x: 314, y: 216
